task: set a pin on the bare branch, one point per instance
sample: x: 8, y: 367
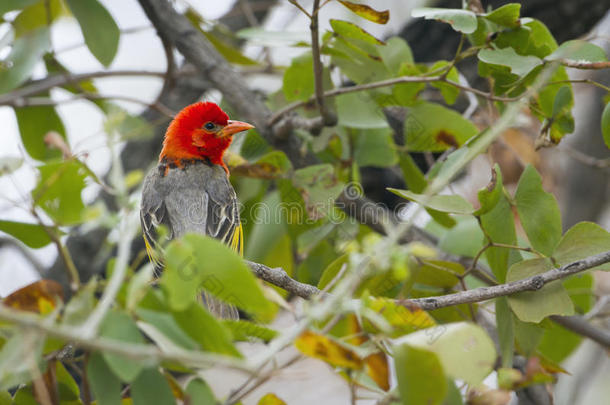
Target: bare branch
x: 39, y: 86
x: 42, y: 101
x: 582, y: 327
x: 528, y: 284
x: 586, y: 65
x: 278, y: 277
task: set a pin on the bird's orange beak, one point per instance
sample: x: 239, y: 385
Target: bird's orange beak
x: 234, y: 127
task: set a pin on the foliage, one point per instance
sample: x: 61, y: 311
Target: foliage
x: 129, y: 329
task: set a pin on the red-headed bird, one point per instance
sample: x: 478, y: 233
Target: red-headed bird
x: 189, y: 190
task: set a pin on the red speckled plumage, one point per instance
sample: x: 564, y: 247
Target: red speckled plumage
x: 186, y: 139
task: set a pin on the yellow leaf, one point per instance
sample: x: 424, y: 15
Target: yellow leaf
x: 402, y: 319
x: 377, y: 369
x: 40, y: 296
x: 321, y: 347
x: 364, y: 11
x: 270, y: 399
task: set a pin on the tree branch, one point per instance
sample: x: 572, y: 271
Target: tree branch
x: 527, y: 284
x: 49, y: 82
x: 582, y: 327
x: 585, y: 65
x: 279, y: 278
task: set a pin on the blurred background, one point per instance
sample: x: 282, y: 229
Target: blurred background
x: 582, y: 189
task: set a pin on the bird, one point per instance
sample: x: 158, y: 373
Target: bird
x: 189, y: 190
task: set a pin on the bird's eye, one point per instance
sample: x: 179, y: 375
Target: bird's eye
x: 209, y: 126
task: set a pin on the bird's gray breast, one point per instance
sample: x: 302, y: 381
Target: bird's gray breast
x: 198, y: 198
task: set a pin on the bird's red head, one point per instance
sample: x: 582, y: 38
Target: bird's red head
x: 200, y: 131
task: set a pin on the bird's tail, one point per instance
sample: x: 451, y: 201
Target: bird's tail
x: 219, y: 308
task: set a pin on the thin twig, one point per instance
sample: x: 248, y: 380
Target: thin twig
x: 327, y: 117
x: 584, y: 158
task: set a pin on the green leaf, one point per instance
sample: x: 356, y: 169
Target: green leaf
x: 405, y: 94
x: 230, y: 53
x: 578, y: 51
x: 538, y: 212
x: 606, y: 125
x: 364, y: 11
x: 449, y: 92
x: 119, y: 326
x: 105, y: 385
x: 506, y: 16
x: 13, y: 369
x: 375, y: 147
x: 138, y: 286
x: 557, y: 343
x: 463, y: 21
x: 354, y: 32
x: 395, y: 52
x: 527, y: 336
x: 205, y: 329
x: 99, y: 29
x: 32, y: 235
x: 10, y: 5
x: 25, y: 53
x: 532, y: 38
x: 465, y: 350
x: 518, y: 64
x: 432, y: 127
x: 438, y: 273
x: 319, y: 187
x: 506, y: 336
x: 581, y: 241
x: 359, y: 110
x: 25, y: 396
x: 200, y: 393
x: 420, y: 376
x: 490, y: 195
x: 415, y: 179
x: 464, y: 239
x: 81, y: 305
x: 310, y: 238
x: 263, y: 37
x: 59, y: 191
x: 534, y: 306
x: 161, y: 327
x: 5, y: 398
x: 197, y: 261
x: 151, y: 387
x: 36, y: 16
x: 9, y: 164
x: 264, y: 235
x: 332, y: 270
x: 244, y: 330
x: 34, y: 123
x: 445, y: 203
x: 67, y: 387
x: 299, y: 78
